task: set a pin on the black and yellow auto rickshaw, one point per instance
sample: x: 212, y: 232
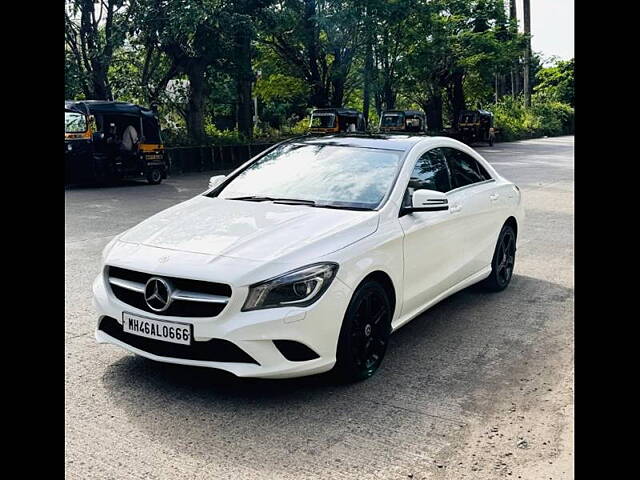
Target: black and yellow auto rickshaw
x: 112, y: 140
x: 336, y: 120
x: 403, y: 121
x: 476, y: 126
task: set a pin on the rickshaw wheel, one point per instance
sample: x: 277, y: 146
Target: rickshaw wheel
x: 154, y: 177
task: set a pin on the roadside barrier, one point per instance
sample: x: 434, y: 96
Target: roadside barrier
x: 211, y: 157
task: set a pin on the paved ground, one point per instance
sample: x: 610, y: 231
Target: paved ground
x: 479, y: 387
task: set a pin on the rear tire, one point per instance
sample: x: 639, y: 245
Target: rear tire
x: 364, y: 334
x: 154, y: 177
x: 504, y: 257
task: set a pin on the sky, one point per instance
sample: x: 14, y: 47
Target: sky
x: 551, y: 27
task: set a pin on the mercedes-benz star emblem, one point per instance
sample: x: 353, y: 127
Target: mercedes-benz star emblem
x: 157, y: 294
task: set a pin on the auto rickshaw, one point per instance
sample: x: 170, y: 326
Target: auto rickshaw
x: 106, y: 141
x: 476, y: 126
x: 336, y: 120
x: 403, y: 121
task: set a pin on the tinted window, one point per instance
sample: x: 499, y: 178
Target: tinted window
x: 465, y: 170
x: 431, y: 172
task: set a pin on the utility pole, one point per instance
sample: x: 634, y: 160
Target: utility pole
x: 527, y: 51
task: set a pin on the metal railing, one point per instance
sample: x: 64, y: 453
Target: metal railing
x: 211, y: 157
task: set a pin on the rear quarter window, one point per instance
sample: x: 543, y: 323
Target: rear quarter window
x: 465, y: 170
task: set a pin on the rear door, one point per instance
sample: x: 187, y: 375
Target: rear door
x: 476, y: 190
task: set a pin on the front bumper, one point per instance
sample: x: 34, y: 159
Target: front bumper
x: 317, y: 327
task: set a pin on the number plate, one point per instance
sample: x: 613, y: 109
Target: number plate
x: 158, y: 330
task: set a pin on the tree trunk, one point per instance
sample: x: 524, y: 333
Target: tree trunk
x: 368, y: 68
x: 515, y: 73
x: 527, y: 51
x: 389, y: 95
x: 319, y: 96
x: 94, y: 58
x: 433, y: 111
x: 337, y: 80
x: 458, y: 102
x: 195, y: 106
x: 244, y: 79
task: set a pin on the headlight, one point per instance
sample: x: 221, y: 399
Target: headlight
x: 298, y: 288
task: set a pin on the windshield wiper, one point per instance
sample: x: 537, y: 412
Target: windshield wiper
x: 253, y: 198
x: 343, y: 207
x: 286, y: 201
x: 297, y: 201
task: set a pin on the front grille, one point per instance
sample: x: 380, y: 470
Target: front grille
x: 214, y: 350
x: 131, y: 294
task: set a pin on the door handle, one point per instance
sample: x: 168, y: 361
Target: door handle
x: 493, y: 197
x: 455, y: 208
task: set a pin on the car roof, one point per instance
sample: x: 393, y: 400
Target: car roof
x: 380, y: 141
x: 106, y: 107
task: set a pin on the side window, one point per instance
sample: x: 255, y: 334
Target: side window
x: 431, y: 172
x: 483, y: 171
x: 465, y: 170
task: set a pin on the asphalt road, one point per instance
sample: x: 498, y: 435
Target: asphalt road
x: 480, y: 386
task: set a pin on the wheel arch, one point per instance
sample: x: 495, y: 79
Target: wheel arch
x: 513, y: 223
x: 385, y: 280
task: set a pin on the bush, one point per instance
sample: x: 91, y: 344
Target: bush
x: 544, y: 117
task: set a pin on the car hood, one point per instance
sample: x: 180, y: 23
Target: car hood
x: 259, y: 231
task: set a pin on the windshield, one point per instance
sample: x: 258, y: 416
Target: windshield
x: 468, y: 118
x: 323, y: 120
x: 74, y: 122
x: 328, y: 175
x: 392, y: 120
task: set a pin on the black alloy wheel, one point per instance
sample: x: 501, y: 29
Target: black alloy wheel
x: 504, y: 259
x: 365, y: 333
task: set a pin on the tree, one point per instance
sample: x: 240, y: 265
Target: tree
x: 557, y: 82
x: 243, y: 30
x: 318, y: 40
x: 190, y: 34
x: 91, y: 36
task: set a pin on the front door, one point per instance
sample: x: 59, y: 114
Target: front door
x: 433, y: 241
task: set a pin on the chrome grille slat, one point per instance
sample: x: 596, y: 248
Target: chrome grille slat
x: 128, y: 284
x: 198, y: 297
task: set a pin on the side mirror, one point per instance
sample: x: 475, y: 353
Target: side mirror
x: 424, y: 200
x: 216, y: 180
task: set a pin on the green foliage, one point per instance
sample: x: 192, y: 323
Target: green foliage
x: 185, y: 56
x: 557, y: 82
x: 545, y: 117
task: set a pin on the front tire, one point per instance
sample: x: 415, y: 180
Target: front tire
x: 154, y: 177
x: 504, y: 257
x: 364, y: 334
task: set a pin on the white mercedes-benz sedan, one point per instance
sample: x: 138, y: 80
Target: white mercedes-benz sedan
x: 307, y: 257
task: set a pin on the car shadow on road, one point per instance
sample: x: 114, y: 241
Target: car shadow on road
x: 457, y: 353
